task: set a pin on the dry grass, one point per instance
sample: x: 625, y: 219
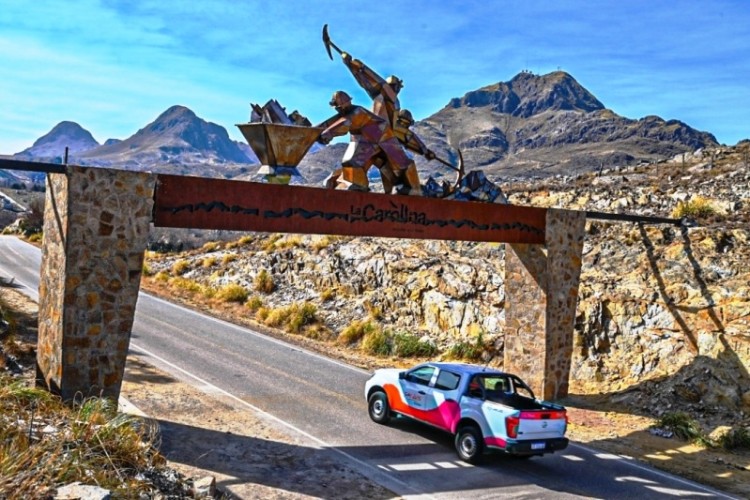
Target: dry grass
x: 293, y: 318
x: 229, y: 257
x: 91, y: 443
x: 695, y: 208
x: 264, y: 282
x: 180, y: 267
x: 232, y: 292
x: 355, y: 331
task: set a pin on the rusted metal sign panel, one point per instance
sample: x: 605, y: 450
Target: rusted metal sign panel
x: 193, y: 202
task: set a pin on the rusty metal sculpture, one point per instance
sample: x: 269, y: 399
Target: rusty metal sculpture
x: 279, y: 140
x: 373, y: 143
x: 385, y: 103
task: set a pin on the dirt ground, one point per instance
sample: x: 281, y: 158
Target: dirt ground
x: 253, y: 456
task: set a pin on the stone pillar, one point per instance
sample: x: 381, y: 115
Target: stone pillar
x: 96, y: 224
x: 541, y: 292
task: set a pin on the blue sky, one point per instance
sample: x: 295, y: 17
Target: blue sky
x: 114, y: 66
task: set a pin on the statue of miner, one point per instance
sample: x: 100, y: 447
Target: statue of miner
x: 372, y: 143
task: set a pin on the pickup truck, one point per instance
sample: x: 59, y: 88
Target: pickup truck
x: 485, y: 409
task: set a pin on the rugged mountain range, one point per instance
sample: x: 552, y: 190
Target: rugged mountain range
x: 548, y: 124
x: 532, y: 125
x: 177, y: 141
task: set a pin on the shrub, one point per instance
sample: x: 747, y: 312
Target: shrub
x: 291, y: 241
x: 408, y: 345
x: 262, y: 313
x: 470, y: 351
x: 377, y: 342
x: 277, y: 317
x: 209, y: 262
x: 180, y: 267
x: 162, y: 276
x: 210, y: 246
x: 301, y: 316
x: 695, y: 208
x: 254, y: 303
x: 33, y: 221
x: 35, y: 238
x: 318, y: 331
x: 327, y: 294
x: 232, y: 292
x: 294, y: 318
x: 264, y: 282
x: 186, y: 284
x: 683, y: 425
x: 736, y: 439
x: 269, y: 245
x: 320, y: 243
x: 229, y: 257
x: 146, y: 270
x: 374, y: 311
x: 355, y: 331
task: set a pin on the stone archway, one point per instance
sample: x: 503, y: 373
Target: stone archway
x: 96, y: 229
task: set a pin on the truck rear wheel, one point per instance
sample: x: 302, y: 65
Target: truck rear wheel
x: 469, y: 443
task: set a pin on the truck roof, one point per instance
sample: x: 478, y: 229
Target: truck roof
x: 465, y: 368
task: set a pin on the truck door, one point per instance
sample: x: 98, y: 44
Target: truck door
x: 416, y: 389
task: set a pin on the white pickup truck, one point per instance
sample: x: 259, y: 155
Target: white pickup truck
x: 483, y: 408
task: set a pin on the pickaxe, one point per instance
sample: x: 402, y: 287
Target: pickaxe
x: 328, y: 43
x: 459, y: 169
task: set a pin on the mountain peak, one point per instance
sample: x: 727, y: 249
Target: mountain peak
x: 177, y: 111
x: 177, y: 135
x: 528, y: 94
x: 53, y: 143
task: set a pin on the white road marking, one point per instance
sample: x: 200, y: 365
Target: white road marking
x: 632, y: 463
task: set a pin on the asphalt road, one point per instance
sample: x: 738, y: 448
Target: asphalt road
x: 323, y: 400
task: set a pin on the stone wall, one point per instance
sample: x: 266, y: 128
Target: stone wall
x: 96, y: 224
x: 541, y: 287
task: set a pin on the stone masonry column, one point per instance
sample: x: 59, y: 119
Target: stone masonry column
x: 96, y: 224
x: 541, y: 290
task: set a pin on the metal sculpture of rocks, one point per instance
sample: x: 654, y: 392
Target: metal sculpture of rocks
x: 476, y: 187
x: 279, y: 141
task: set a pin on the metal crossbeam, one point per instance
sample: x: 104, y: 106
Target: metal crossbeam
x: 32, y: 166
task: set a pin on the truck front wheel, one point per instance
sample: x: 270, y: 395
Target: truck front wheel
x: 469, y: 443
x: 378, y: 408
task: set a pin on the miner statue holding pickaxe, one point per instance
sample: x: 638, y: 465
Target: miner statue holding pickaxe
x: 385, y: 104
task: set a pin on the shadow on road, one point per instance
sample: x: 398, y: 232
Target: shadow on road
x: 240, y: 460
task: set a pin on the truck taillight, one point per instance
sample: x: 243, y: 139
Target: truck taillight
x: 511, y: 426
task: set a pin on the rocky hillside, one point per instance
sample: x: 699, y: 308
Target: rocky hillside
x: 664, y: 311
x: 537, y: 125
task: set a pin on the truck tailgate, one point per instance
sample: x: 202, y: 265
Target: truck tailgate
x: 541, y: 424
